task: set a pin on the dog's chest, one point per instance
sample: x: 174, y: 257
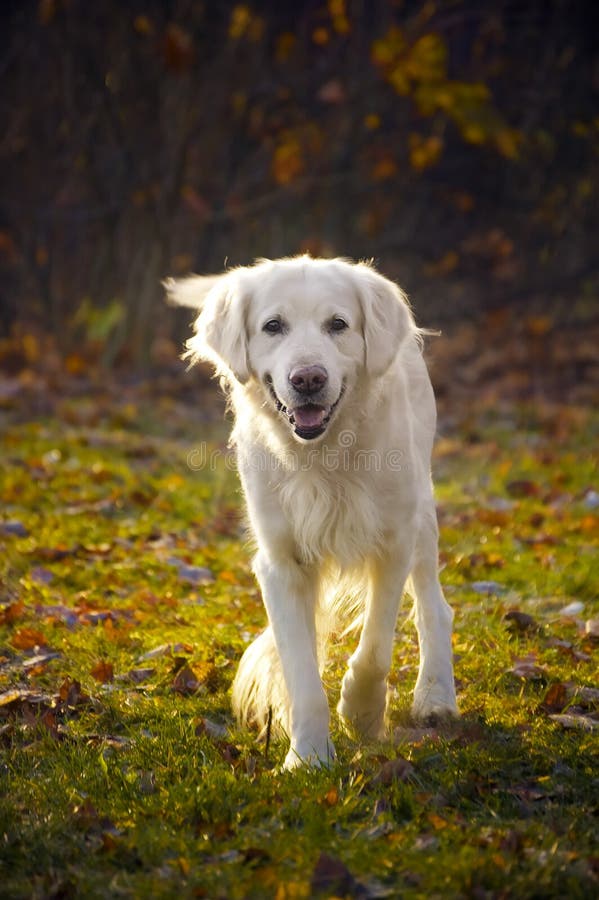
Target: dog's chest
x: 332, y: 517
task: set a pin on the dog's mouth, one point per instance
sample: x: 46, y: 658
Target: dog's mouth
x: 309, y: 420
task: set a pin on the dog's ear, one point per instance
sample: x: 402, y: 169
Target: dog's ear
x: 388, y: 320
x: 220, y: 329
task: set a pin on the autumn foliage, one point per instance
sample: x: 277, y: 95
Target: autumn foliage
x: 454, y: 142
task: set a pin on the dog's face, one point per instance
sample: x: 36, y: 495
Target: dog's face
x: 305, y: 347
x: 302, y: 330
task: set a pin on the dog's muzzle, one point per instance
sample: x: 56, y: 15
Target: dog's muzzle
x: 308, y: 418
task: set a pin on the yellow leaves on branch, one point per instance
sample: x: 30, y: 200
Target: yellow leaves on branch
x: 244, y: 23
x: 338, y: 14
x: 288, y: 161
x: 424, y: 151
x: 384, y: 168
x: 419, y: 70
x: 404, y: 65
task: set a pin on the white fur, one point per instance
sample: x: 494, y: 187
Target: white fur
x: 342, y: 519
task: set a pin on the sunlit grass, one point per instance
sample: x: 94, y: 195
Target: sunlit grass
x: 136, y: 789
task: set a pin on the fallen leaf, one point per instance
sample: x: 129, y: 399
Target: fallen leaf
x: 527, y: 668
x: 28, y: 638
x: 520, y: 622
x: 103, y: 671
x: 55, y: 554
x: 39, y: 660
x: 13, y: 528
x: 522, y: 488
x: 40, y: 575
x: 487, y: 587
x: 58, y: 613
x: 191, y: 574
x: 185, y: 681
x: 332, y: 876
x: 211, y: 729
x: 437, y: 822
x: 166, y: 650
x: 393, y: 770
x: 555, y: 699
x: 256, y: 856
x: 11, y: 612
x: 572, y: 609
x: 403, y: 735
x: 591, y: 629
x: 70, y: 693
x: 9, y: 698
x: 138, y: 676
x: 581, y: 722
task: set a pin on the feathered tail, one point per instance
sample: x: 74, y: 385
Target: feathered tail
x: 259, y: 687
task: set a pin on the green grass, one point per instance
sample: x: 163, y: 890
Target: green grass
x: 113, y: 784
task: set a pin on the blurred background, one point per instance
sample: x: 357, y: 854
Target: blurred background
x: 454, y: 142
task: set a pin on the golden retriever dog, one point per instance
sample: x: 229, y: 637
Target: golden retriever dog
x: 334, y: 424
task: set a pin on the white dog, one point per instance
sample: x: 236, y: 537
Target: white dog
x: 334, y: 425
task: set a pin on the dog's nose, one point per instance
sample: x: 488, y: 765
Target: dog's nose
x: 308, y: 379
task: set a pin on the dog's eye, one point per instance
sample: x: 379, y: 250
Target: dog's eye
x: 273, y: 326
x: 337, y: 324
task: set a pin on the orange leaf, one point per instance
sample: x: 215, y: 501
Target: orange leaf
x: 28, y: 638
x: 331, y: 798
x: 556, y: 698
x: 437, y: 822
x: 12, y: 612
x: 103, y: 671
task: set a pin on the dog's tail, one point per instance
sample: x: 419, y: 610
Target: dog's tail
x: 259, y: 695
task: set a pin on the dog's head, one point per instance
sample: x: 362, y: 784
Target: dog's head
x: 304, y: 329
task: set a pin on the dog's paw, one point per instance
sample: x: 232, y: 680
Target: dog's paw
x: 307, y: 755
x: 434, y: 702
x: 362, y: 706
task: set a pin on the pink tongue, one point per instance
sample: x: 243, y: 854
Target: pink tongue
x: 309, y: 416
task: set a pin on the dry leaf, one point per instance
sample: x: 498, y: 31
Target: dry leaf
x: 555, y: 699
x: 185, y: 681
x: 393, y: 770
x: 332, y: 877
x: 12, y: 527
x: 523, y: 488
x: 519, y: 622
x: 527, y: 668
x: 11, y: 612
x: 591, y: 629
x: 28, y: 638
x: 103, y: 671
x: 569, y: 720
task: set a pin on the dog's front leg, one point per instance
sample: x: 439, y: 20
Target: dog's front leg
x: 434, y: 694
x: 289, y: 591
x: 364, y: 689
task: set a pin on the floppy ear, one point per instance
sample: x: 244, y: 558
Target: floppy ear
x: 220, y: 329
x: 388, y: 319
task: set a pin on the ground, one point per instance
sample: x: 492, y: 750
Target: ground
x: 126, y: 600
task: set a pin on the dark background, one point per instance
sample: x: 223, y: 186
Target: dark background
x: 455, y: 142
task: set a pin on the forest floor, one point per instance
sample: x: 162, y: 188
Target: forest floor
x: 126, y: 600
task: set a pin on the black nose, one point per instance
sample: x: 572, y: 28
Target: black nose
x: 308, y: 379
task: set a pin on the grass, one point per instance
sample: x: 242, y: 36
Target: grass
x: 122, y: 773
